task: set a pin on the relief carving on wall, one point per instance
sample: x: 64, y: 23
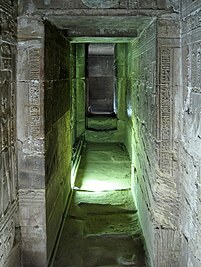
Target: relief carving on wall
x: 8, y: 172
x: 8, y: 27
x: 199, y: 67
x: 165, y: 110
x: 7, y: 151
x: 96, y: 4
x: 100, y: 3
x: 188, y: 60
x: 7, y: 234
x: 34, y: 93
x: 133, y: 4
x: 130, y: 4
x: 193, y: 66
x: 192, y: 22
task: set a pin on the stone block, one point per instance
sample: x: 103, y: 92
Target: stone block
x: 30, y: 28
x: 32, y: 208
x: 33, y: 246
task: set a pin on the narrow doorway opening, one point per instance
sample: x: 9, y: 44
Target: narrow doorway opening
x: 100, y: 72
x: 101, y: 214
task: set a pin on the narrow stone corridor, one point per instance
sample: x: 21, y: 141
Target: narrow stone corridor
x: 101, y: 227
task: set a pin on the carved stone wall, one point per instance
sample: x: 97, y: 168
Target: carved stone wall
x: 141, y: 127
x: 191, y: 135
x: 168, y: 166
x: 188, y: 7
x: 31, y: 145
x: 57, y: 130
x: 152, y: 111
x: 8, y: 163
x: 95, y: 4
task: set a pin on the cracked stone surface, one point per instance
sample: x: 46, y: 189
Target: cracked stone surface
x: 102, y: 228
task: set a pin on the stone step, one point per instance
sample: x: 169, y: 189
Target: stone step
x: 104, y: 209
x: 121, y: 198
x: 101, y: 123
x: 101, y: 250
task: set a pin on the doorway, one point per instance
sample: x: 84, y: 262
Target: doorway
x: 100, y: 79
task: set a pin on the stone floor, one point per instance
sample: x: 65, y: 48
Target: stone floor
x: 101, y: 228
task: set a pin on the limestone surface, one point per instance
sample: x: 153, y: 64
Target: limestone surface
x: 102, y: 226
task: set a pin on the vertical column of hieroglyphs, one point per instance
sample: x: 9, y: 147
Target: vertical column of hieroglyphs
x: 165, y: 158
x: 34, y: 93
x: 7, y: 130
x: 166, y: 191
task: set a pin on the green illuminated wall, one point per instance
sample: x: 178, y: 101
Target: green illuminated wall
x: 152, y: 138
x: 57, y: 130
x: 141, y: 125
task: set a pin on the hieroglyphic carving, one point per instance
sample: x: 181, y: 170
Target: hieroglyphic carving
x: 192, y: 21
x: 7, y: 161
x: 133, y: 4
x: 7, y: 132
x: 169, y: 28
x: 199, y: 68
x: 5, y: 112
x: 7, y: 201
x: 34, y: 113
x: 34, y: 61
x: 6, y: 54
x: 8, y: 27
x: 7, y: 233
x: 34, y: 93
x: 193, y: 66
x: 100, y: 3
x: 165, y: 110
x: 188, y: 74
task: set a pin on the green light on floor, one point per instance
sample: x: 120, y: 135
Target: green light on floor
x: 98, y: 185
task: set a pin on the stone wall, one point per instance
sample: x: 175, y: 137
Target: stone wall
x: 57, y: 130
x: 190, y: 223
x: 152, y: 88
x: 154, y: 123
x: 8, y: 163
x: 31, y: 136
x: 111, y: 4
x: 43, y: 132
x: 141, y: 130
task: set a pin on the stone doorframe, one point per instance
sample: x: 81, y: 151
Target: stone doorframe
x: 31, y: 137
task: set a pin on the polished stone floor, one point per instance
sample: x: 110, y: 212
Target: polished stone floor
x: 102, y: 228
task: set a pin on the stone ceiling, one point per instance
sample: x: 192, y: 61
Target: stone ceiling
x: 122, y: 26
